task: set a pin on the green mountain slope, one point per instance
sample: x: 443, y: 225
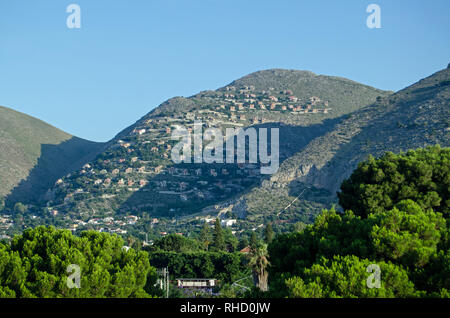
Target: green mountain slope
x: 135, y: 173
x: 33, y: 155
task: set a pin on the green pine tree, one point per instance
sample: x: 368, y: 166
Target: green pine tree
x: 219, y: 240
x: 253, y: 241
x: 204, y: 236
x: 268, y: 234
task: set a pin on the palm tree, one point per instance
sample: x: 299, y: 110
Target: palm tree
x: 258, y: 263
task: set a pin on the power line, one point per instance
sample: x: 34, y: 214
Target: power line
x: 278, y: 214
x: 239, y: 285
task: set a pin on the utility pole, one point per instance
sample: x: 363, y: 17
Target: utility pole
x: 163, y: 280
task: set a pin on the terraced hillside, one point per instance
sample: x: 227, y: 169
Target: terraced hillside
x: 326, y: 125
x: 135, y: 174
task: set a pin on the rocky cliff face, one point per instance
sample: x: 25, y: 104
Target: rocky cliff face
x: 414, y: 117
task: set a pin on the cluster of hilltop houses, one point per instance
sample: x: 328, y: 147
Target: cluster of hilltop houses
x: 233, y: 106
x: 247, y: 99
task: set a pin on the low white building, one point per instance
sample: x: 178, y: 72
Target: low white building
x: 196, y: 282
x: 229, y: 222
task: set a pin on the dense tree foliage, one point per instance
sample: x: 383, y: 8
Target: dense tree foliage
x: 377, y: 185
x: 226, y: 267
x: 399, y: 225
x: 268, y: 234
x: 254, y: 241
x: 189, y: 258
x: 410, y: 246
x: 407, y: 234
x: 176, y: 243
x: 219, y: 240
x: 346, y: 276
x: 20, y: 208
x: 36, y: 264
x: 205, y: 238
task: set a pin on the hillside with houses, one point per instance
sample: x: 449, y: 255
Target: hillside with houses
x: 321, y: 119
x: 134, y: 174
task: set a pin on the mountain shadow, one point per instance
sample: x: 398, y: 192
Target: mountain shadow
x: 54, y: 162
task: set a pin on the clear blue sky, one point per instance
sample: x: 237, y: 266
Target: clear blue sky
x: 129, y: 56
